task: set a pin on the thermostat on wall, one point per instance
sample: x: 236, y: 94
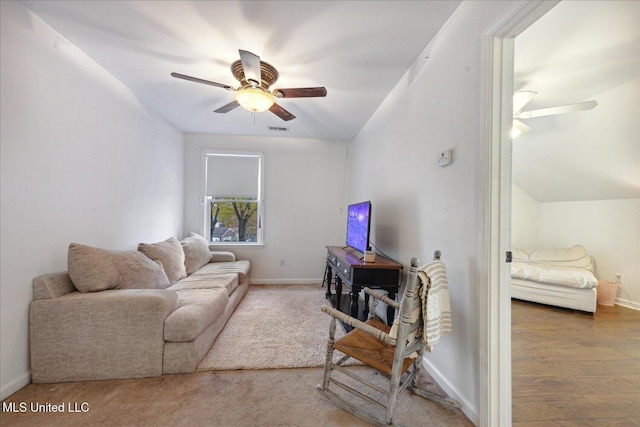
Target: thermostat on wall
x: 444, y: 158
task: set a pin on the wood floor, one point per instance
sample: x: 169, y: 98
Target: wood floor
x: 571, y: 368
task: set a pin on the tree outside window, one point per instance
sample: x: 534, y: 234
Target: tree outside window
x: 234, y: 220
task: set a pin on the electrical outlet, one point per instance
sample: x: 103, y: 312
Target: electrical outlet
x: 619, y: 278
x: 282, y: 262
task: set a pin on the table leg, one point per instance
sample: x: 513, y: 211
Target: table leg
x: 338, y: 292
x: 391, y: 312
x: 327, y: 278
x: 355, y: 290
x: 365, y: 313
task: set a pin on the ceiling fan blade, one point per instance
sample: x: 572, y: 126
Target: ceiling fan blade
x: 226, y: 108
x: 281, y: 112
x: 522, y: 98
x: 303, y: 92
x: 197, y: 80
x: 251, y: 67
x: 571, y: 108
x: 519, y: 128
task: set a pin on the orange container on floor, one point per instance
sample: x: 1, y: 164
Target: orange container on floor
x: 607, y: 292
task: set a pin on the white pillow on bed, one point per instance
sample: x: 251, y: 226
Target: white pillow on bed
x: 575, y: 257
x: 565, y: 276
x: 521, y: 254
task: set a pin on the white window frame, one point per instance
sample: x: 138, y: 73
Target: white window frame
x: 206, y: 198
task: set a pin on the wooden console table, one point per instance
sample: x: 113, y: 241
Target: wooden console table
x: 348, y: 266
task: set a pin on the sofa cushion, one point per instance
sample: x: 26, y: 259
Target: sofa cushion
x: 196, y: 252
x: 220, y: 281
x: 94, y: 269
x: 168, y: 253
x: 241, y: 268
x: 222, y: 256
x: 198, y: 308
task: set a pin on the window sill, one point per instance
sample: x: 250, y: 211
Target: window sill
x: 220, y: 245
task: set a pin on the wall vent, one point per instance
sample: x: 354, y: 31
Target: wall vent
x: 278, y: 129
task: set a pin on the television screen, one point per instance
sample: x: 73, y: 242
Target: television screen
x: 358, y: 225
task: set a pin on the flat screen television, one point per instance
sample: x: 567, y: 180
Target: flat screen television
x: 359, y: 225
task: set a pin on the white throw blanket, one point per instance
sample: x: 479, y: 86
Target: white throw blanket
x: 436, y: 307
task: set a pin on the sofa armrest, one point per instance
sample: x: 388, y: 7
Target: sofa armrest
x: 52, y: 285
x: 222, y: 256
x: 99, y: 335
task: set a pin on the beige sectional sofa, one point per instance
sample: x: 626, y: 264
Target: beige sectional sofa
x: 132, y: 314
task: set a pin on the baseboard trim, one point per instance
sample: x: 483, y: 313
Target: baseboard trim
x: 628, y: 304
x: 467, y: 408
x: 8, y: 389
x: 286, y: 281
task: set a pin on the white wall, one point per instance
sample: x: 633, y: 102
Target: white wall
x: 608, y: 229
x: 82, y: 161
x: 524, y: 219
x: 419, y: 207
x: 305, y: 195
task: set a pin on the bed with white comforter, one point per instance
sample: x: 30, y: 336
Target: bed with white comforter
x: 558, y: 277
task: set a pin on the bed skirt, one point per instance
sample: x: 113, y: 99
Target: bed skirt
x: 560, y: 296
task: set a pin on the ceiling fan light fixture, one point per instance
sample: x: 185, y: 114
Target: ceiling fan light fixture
x: 254, y: 99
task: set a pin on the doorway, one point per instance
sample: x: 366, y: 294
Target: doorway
x: 497, y: 119
x: 499, y: 89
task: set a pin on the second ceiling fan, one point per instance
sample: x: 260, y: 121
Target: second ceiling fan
x: 256, y: 77
x: 522, y: 98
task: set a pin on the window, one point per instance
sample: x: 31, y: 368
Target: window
x: 233, y: 197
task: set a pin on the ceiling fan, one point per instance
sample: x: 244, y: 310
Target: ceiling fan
x: 255, y: 78
x: 522, y: 98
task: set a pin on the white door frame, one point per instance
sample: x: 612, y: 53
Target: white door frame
x: 497, y: 117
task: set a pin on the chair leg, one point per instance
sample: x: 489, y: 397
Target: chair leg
x: 417, y: 364
x: 328, y: 361
x: 393, y: 398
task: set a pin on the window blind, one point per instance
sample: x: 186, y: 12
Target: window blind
x: 233, y: 176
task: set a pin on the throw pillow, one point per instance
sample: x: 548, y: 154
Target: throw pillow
x: 94, y: 269
x: 196, y: 252
x: 170, y: 254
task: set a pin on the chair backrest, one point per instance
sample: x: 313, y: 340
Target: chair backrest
x: 410, y: 320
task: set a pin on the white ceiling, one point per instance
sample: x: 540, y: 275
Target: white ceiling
x: 581, y: 51
x: 358, y: 50
x: 577, y: 50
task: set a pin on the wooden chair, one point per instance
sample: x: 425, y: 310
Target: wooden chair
x: 370, y: 342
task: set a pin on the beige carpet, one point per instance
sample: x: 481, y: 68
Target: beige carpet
x: 235, y: 398
x: 274, y: 326
x: 244, y: 398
